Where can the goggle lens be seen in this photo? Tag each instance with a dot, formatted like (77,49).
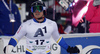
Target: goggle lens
(39,8)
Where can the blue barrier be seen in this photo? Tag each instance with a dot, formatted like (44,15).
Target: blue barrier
(85,42)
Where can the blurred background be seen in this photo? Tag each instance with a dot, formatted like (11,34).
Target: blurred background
(72,20)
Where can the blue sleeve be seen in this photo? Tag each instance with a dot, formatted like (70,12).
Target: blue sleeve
(13,42)
(63,44)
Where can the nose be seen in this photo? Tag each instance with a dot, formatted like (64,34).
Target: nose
(37,11)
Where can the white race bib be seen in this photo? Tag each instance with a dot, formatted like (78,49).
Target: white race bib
(38,44)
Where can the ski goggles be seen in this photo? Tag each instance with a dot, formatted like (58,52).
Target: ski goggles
(39,8)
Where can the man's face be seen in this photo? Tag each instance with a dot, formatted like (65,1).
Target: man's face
(38,14)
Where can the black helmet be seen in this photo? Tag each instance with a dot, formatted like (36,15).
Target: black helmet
(38,5)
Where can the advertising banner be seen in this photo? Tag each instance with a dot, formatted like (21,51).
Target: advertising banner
(19,49)
(90,44)
(21,46)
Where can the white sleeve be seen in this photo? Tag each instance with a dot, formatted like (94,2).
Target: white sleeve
(59,39)
(68,29)
(20,32)
(55,33)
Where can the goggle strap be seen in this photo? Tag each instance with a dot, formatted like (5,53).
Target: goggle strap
(31,9)
(44,8)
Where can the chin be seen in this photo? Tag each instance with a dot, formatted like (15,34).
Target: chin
(37,16)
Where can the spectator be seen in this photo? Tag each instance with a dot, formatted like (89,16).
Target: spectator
(79,10)
(68,27)
(81,26)
(93,16)
(9,11)
(61,29)
(57,17)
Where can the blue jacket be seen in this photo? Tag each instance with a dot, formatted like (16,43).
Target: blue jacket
(7,27)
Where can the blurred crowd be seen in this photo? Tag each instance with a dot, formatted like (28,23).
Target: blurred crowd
(83,17)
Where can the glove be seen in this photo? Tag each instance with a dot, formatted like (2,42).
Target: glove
(8,49)
(73,49)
